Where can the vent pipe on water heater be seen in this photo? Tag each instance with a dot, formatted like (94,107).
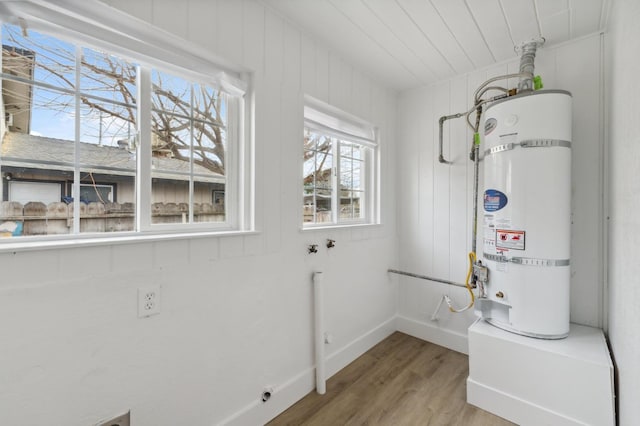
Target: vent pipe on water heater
(527,58)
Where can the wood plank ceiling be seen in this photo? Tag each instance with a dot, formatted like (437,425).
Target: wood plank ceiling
(412,43)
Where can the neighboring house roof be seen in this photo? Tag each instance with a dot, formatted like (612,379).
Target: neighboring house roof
(37,152)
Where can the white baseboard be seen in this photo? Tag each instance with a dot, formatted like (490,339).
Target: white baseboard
(513,408)
(284,396)
(430,333)
(288,393)
(343,357)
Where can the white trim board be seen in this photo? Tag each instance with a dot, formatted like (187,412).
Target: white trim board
(430,333)
(288,393)
(514,408)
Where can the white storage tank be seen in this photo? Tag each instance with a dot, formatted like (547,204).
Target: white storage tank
(527,214)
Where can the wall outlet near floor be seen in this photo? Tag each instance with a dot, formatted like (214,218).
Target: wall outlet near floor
(121,420)
(148,301)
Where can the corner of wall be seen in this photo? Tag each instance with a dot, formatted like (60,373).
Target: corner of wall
(294,389)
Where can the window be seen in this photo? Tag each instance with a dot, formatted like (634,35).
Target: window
(96,193)
(339,168)
(101,111)
(188,142)
(25,191)
(218,198)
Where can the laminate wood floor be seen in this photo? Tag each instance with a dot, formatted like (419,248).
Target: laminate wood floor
(400,381)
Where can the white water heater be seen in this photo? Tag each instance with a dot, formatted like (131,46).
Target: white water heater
(526,217)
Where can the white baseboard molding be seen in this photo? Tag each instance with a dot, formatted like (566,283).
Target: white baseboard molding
(339,359)
(440,336)
(284,396)
(513,408)
(288,393)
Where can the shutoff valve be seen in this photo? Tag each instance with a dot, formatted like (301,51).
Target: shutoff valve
(480,272)
(480,277)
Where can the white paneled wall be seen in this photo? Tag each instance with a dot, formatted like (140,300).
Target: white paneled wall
(236,311)
(435,203)
(624,201)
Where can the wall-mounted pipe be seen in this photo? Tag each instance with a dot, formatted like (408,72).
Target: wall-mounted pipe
(424,277)
(475,156)
(318,308)
(441,158)
(442,120)
(481,90)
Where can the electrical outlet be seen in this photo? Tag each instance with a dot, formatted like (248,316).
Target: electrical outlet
(148,301)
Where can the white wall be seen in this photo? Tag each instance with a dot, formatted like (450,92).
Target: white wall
(435,203)
(623,43)
(237,310)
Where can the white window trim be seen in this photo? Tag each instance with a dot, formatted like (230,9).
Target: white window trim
(97,24)
(331,121)
(92,23)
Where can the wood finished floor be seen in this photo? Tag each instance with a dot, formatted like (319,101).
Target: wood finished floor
(400,381)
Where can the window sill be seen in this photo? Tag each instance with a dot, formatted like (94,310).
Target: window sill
(340,226)
(10,245)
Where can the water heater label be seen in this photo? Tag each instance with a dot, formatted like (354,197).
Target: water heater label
(494,200)
(509,239)
(490,125)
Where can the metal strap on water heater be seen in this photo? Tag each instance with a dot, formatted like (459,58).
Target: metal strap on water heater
(529,143)
(527,261)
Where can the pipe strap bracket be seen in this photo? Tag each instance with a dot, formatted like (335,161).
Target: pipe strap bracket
(527,261)
(529,143)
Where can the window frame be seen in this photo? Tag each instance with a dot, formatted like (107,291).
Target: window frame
(93,24)
(343,127)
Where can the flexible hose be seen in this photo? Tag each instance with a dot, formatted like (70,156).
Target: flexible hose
(472,259)
(500,77)
(486,89)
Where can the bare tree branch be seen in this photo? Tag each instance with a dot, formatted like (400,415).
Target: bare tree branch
(177,112)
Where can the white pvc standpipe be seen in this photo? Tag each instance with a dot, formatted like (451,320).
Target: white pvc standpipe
(318,305)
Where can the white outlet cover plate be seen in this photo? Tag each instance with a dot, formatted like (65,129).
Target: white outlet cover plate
(148,301)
